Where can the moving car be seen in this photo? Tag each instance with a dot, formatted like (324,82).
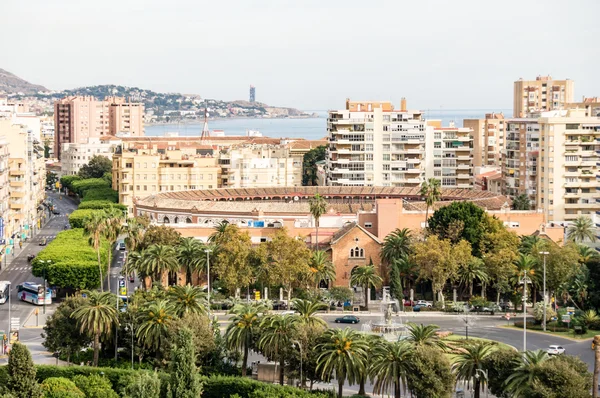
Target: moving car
(43,242)
(122,246)
(56,212)
(30,257)
(424,303)
(555,350)
(347,319)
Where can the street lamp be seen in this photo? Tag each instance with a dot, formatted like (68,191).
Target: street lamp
(525,311)
(45,263)
(127,327)
(545,302)
(296,342)
(208,251)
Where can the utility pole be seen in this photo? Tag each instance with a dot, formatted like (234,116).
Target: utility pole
(524,311)
(545,300)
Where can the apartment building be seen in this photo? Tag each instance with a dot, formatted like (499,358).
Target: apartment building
(452,156)
(488,139)
(371,144)
(77,119)
(590,104)
(540,95)
(75,155)
(520,163)
(144,167)
(568,164)
(259,166)
(5,224)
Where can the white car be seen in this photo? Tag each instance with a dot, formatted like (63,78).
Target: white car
(555,350)
(424,303)
(288,313)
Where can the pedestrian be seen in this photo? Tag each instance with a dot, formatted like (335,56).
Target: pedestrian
(20,244)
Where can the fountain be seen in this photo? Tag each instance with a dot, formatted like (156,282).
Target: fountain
(388,328)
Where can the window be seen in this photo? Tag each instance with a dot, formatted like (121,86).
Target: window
(368,225)
(357,252)
(386,156)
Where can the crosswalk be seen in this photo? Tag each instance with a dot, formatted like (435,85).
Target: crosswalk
(47,237)
(22,269)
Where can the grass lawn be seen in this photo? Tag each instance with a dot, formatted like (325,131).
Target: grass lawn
(567,335)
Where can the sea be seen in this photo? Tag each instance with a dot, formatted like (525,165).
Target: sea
(308,128)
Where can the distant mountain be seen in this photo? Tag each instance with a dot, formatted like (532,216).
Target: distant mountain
(12,84)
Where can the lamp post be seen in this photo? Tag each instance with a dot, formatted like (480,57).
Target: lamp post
(296,342)
(130,325)
(524,311)
(45,264)
(545,299)
(208,251)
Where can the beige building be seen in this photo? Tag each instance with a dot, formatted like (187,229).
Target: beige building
(77,119)
(567,164)
(74,155)
(541,94)
(254,165)
(452,156)
(590,104)
(488,139)
(5,222)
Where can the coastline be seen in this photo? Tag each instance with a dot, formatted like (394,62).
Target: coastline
(213,119)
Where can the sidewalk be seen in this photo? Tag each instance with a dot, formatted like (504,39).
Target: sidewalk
(16,252)
(37,321)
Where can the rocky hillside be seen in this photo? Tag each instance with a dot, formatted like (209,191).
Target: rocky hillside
(11,84)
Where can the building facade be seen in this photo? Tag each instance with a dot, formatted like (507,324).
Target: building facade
(541,94)
(488,140)
(78,119)
(567,165)
(452,156)
(75,155)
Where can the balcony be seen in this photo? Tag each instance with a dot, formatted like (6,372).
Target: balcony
(463,166)
(586,206)
(17,183)
(465,186)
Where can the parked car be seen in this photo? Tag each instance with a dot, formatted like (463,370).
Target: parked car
(424,303)
(122,246)
(279,305)
(56,212)
(347,319)
(555,350)
(30,257)
(409,303)
(292,312)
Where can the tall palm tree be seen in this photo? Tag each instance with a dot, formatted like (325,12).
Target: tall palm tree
(134,263)
(190,254)
(307,310)
(154,319)
(219,231)
(365,276)
(321,268)
(421,335)
(113,225)
(521,202)
(344,352)
(525,374)
(472,271)
(158,260)
(396,245)
(528,243)
(431,191)
(97,316)
(275,337)
(187,299)
(390,365)
(586,253)
(468,364)
(243,329)
(581,230)
(135,233)
(406,269)
(94,228)
(318,207)
(525,269)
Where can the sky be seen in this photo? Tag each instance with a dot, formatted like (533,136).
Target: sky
(308,54)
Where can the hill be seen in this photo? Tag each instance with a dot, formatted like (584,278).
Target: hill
(12,84)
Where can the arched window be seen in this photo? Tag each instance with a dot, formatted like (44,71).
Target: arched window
(166,220)
(176,221)
(188,220)
(357,252)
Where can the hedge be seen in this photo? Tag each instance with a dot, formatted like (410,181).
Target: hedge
(550,326)
(74,263)
(82,186)
(106,193)
(67,181)
(77,218)
(101,205)
(225,386)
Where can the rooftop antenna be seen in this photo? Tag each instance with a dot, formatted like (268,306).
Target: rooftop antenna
(205,132)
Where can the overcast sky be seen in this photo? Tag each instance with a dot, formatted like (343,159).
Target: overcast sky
(310,54)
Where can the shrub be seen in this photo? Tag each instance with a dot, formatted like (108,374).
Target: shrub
(106,193)
(115,376)
(101,205)
(95,386)
(538,311)
(77,218)
(21,373)
(431,375)
(552,326)
(67,181)
(60,387)
(82,186)
(74,262)
(141,385)
(225,386)
(500,364)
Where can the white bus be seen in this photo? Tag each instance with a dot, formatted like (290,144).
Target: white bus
(4,291)
(34,293)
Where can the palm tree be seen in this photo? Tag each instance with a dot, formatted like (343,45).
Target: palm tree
(365,276)
(307,311)
(525,269)
(135,233)
(468,364)
(525,374)
(396,245)
(159,259)
(318,207)
(321,268)
(94,228)
(390,365)
(97,316)
(582,229)
(275,337)
(343,352)
(420,335)
(190,254)
(472,271)
(406,268)
(586,253)
(134,262)
(528,243)
(243,329)
(113,225)
(589,317)
(219,231)
(521,202)
(154,320)
(431,191)
(187,299)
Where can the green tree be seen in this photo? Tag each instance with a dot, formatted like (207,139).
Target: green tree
(469,364)
(344,352)
(309,167)
(307,312)
(474,270)
(321,268)
(113,225)
(94,229)
(341,293)
(141,385)
(499,252)
(521,202)
(187,299)
(425,335)
(60,387)
(318,207)
(243,329)
(219,234)
(230,260)
(21,380)
(470,215)
(203,335)
(51,179)
(158,261)
(275,338)
(562,377)
(96,167)
(97,317)
(499,366)
(160,235)
(191,256)
(581,230)
(365,276)
(396,245)
(430,190)
(155,318)
(61,332)
(390,366)
(135,233)
(184,382)
(94,386)
(523,376)
(525,265)
(431,375)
